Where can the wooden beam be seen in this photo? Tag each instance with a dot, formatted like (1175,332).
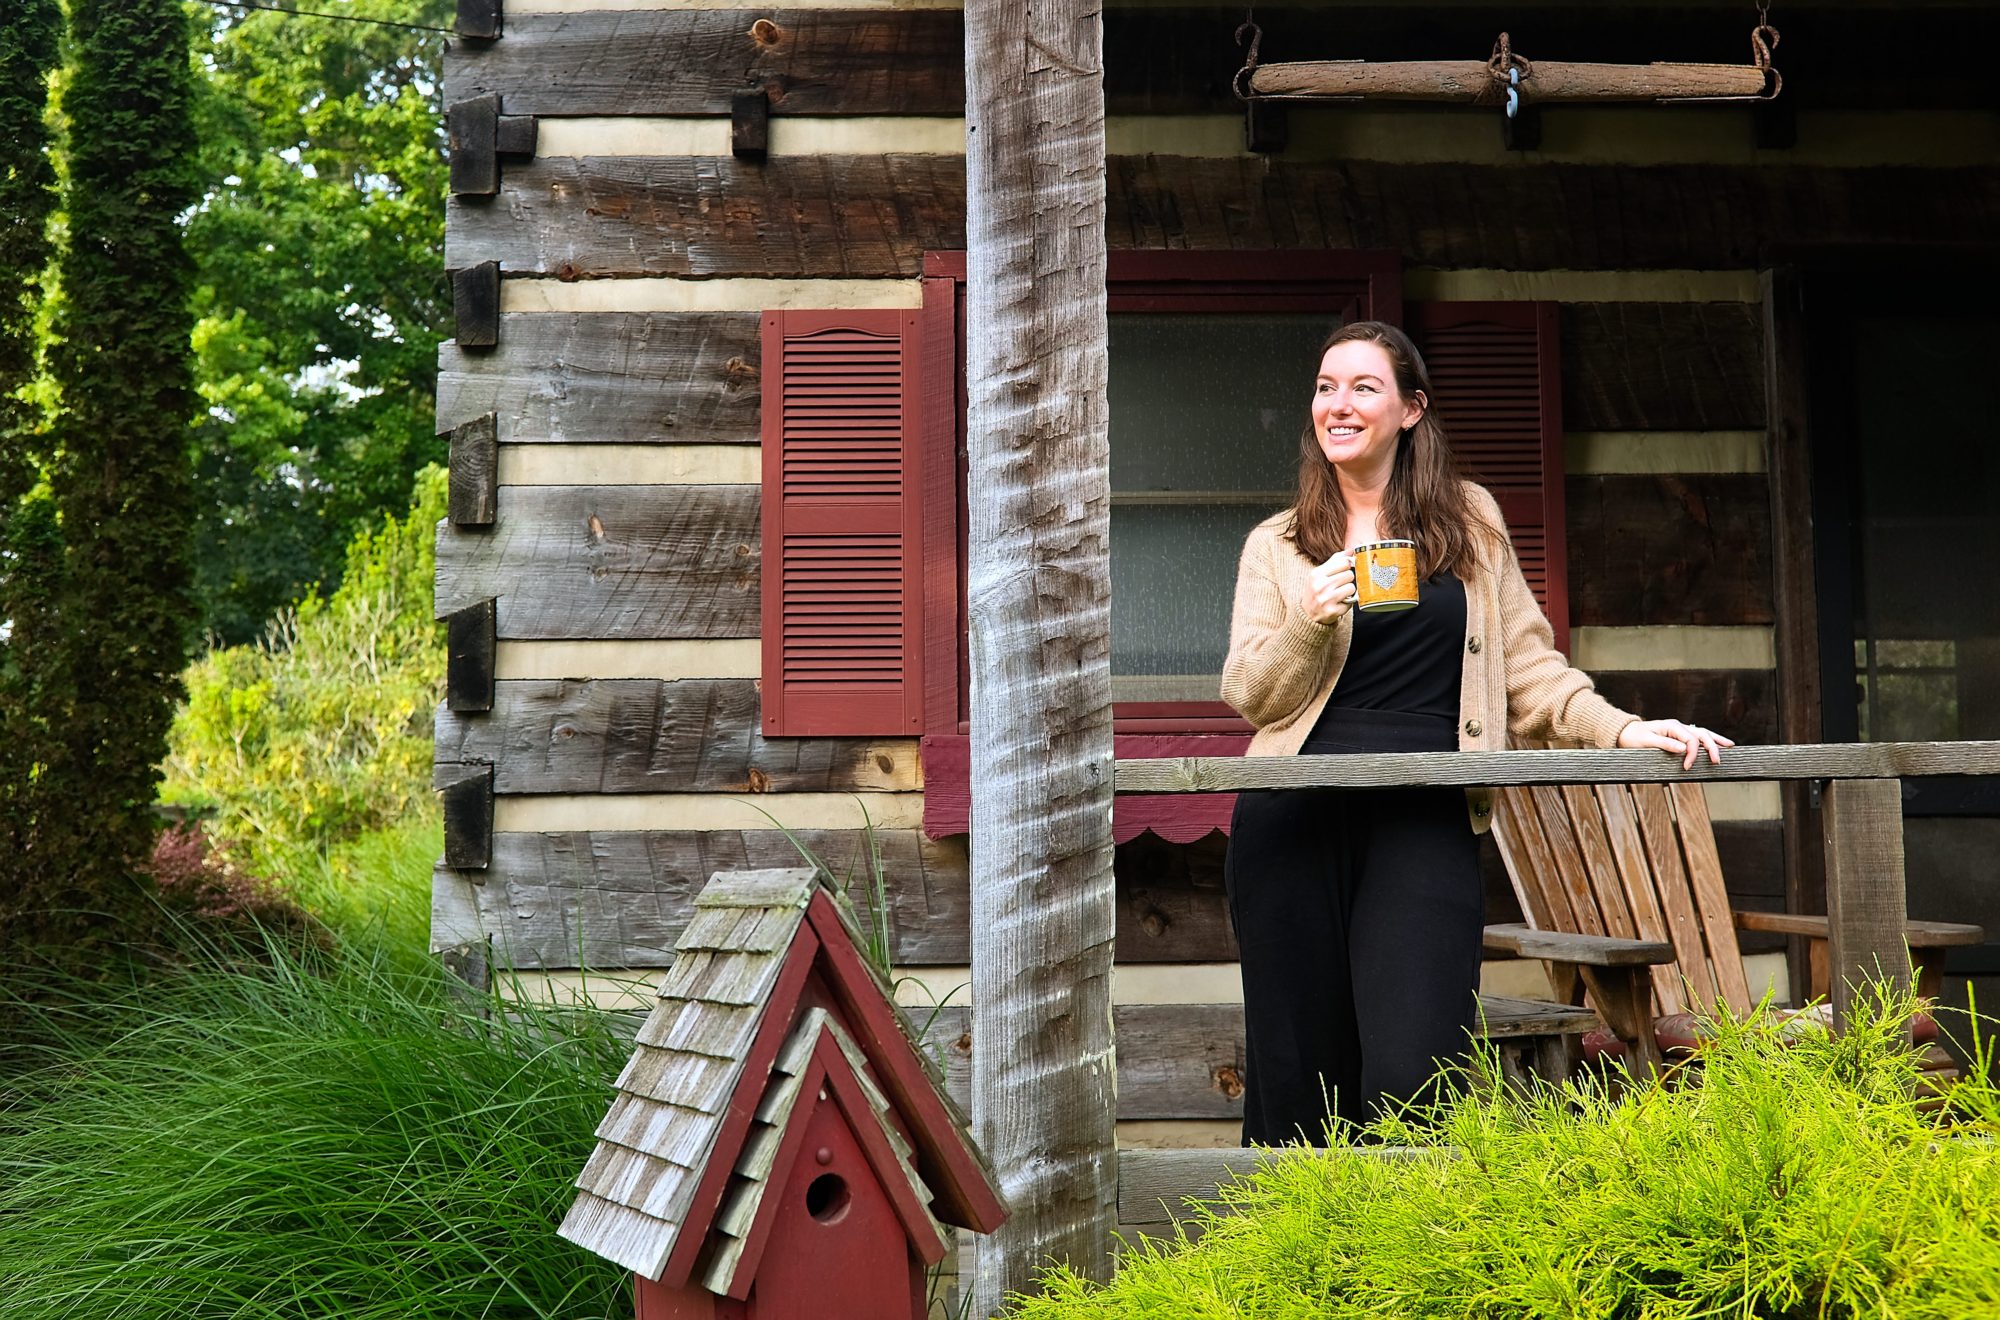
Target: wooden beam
(1795,589)
(479,19)
(1866,900)
(1741,703)
(1039,607)
(474,479)
(1686,548)
(594,217)
(1476,769)
(469,646)
(1662,366)
(625,377)
(467,791)
(1468,82)
(475,304)
(611,562)
(635,735)
(750,125)
(692,61)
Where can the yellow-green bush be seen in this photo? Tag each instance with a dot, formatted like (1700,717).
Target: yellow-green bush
(322,733)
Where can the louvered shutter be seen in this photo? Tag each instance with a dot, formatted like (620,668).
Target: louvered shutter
(842,526)
(1495,372)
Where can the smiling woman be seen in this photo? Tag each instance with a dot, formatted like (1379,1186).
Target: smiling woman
(1359,916)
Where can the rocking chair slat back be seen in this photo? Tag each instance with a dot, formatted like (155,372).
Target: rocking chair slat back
(1635,878)
(1636,861)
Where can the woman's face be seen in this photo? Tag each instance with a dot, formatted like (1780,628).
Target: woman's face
(1357,412)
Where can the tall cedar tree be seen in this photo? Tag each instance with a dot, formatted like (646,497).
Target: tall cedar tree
(30,553)
(122,492)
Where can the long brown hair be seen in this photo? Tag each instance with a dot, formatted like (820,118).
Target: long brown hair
(1426,501)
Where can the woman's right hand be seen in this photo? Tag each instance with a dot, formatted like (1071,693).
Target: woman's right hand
(1330,590)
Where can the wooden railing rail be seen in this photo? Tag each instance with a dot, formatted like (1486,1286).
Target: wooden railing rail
(1866,895)
(1830,761)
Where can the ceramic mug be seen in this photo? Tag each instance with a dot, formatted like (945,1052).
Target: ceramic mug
(1385,576)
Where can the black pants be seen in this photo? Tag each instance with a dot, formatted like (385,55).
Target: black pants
(1359,914)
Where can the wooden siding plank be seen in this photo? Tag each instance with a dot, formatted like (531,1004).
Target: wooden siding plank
(1662,366)
(1692,549)
(669,62)
(1742,703)
(611,562)
(623,377)
(636,60)
(620,899)
(599,216)
(638,735)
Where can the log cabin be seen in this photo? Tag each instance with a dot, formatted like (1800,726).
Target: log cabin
(1725,363)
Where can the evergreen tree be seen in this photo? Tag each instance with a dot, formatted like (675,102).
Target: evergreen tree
(119,481)
(30,549)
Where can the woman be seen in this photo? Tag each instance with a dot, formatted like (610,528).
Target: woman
(1359,912)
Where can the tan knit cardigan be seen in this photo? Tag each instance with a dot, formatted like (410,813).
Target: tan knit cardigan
(1283,665)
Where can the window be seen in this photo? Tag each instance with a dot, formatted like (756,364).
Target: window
(1211,358)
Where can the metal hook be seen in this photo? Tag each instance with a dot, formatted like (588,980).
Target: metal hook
(1513,92)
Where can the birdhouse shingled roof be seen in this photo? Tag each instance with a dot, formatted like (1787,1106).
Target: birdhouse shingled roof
(710,1057)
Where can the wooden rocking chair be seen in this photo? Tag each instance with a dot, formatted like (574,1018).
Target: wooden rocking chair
(1622,888)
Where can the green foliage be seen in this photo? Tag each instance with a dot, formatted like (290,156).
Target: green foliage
(351,1135)
(321,293)
(28,38)
(322,733)
(1794,1180)
(99,613)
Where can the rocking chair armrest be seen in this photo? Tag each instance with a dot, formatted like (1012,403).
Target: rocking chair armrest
(1920,934)
(1585,950)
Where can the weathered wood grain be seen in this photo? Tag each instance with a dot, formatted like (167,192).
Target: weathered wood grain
(467,792)
(1541,217)
(1159,60)
(475,459)
(593,216)
(468,668)
(692,61)
(1669,549)
(639,735)
(875,216)
(1662,366)
(610,562)
(1741,703)
(620,899)
(1390,769)
(610,377)
(1866,896)
(475,303)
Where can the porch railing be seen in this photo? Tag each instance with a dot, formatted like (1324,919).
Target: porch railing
(1866,893)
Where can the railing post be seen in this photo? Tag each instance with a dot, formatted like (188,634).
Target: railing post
(1865,900)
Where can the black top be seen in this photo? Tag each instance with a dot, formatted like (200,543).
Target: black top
(1408,661)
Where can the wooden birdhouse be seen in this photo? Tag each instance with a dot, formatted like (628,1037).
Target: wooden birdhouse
(779,1145)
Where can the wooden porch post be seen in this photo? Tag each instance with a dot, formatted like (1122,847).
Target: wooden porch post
(1039,613)
(1865,900)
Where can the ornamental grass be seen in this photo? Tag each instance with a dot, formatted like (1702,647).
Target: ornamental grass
(1796,1177)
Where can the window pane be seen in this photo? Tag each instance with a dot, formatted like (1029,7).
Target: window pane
(1173,580)
(1206,411)
(1210,402)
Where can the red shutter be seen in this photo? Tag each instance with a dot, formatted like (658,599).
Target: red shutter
(1495,372)
(843,527)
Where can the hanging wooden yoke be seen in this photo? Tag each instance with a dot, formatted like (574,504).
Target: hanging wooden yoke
(1507,79)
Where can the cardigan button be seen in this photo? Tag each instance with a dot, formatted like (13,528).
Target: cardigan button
(1473,728)
(1472,645)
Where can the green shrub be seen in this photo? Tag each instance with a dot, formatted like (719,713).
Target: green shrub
(323,733)
(1793,1181)
(348,1134)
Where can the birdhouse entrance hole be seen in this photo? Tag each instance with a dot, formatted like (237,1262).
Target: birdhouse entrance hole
(827,1198)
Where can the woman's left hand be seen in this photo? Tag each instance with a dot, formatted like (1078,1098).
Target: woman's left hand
(1682,739)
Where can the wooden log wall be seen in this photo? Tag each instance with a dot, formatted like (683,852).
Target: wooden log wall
(634,254)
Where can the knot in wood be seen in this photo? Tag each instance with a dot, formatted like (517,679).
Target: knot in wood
(766,33)
(1229,1081)
(569,272)
(1154,922)
(760,781)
